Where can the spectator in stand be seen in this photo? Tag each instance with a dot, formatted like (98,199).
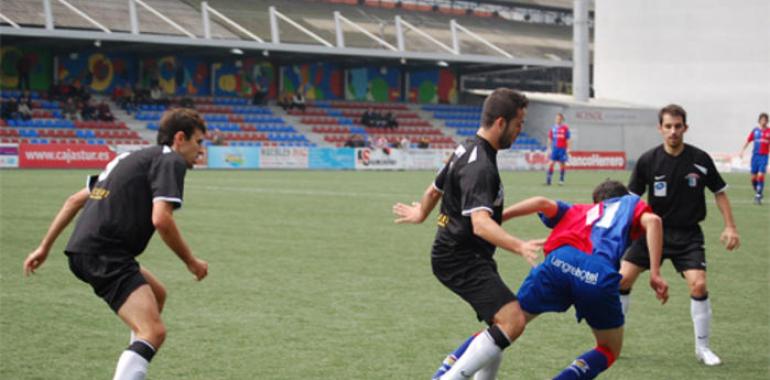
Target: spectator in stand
(187,102)
(366,118)
(156,95)
(405,143)
(80,91)
(24,109)
(70,109)
(10,109)
(284,101)
(298,101)
(423,143)
(390,121)
(87,110)
(259,96)
(104,113)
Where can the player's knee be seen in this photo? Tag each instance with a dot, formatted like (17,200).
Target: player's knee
(626,282)
(512,324)
(698,288)
(154,332)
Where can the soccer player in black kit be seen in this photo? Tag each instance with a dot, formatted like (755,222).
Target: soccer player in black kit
(676,175)
(135,195)
(469,229)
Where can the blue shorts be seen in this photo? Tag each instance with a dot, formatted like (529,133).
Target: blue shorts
(569,277)
(758,163)
(559,154)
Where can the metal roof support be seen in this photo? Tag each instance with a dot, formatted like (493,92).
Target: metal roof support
(207,9)
(338,30)
(275,13)
(580,55)
(48,14)
(6,19)
(133,16)
(206,20)
(399,34)
(164,18)
(480,39)
(84,15)
(367,33)
(275,32)
(455,37)
(426,35)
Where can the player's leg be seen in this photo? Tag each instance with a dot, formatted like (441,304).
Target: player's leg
(760,186)
(549,173)
(635,261)
(140,312)
(158,289)
(593,362)
(700,311)
(562,170)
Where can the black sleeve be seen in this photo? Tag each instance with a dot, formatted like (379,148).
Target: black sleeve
(478,189)
(638,182)
(167,179)
(440,180)
(91,182)
(714,180)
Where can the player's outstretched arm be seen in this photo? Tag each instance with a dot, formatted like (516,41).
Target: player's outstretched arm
(163,220)
(729,236)
(740,154)
(487,229)
(530,206)
(71,206)
(416,213)
(653,226)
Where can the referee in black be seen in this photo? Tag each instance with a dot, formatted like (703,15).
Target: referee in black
(469,229)
(122,207)
(676,175)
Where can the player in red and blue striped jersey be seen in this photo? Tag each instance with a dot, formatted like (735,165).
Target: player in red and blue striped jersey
(583,254)
(558,142)
(761,138)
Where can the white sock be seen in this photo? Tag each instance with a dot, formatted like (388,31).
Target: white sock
(132,338)
(489,372)
(625,302)
(480,352)
(701,320)
(131,366)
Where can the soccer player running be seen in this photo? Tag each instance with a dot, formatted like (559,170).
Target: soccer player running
(122,207)
(558,142)
(469,229)
(676,175)
(583,255)
(761,138)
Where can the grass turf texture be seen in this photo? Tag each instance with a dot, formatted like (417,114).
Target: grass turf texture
(310,279)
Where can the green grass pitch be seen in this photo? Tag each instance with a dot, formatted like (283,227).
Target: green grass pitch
(310,279)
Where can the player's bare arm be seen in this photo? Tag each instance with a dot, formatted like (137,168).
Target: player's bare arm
(548,207)
(71,206)
(729,238)
(486,228)
(163,220)
(416,213)
(653,226)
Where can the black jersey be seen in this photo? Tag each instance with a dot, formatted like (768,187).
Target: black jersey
(117,218)
(470,182)
(676,184)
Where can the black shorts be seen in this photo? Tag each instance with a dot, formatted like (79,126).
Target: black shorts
(476,280)
(683,246)
(112,278)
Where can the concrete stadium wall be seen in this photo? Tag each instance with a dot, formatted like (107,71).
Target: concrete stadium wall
(710,56)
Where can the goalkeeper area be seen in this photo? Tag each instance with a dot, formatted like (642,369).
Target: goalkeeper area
(309,278)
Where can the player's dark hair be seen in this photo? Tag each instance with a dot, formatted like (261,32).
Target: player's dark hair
(180,119)
(763,114)
(673,110)
(502,102)
(609,189)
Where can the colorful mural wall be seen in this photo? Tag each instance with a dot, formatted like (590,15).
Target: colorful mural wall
(317,81)
(433,86)
(26,67)
(374,83)
(243,77)
(176,75)
(98,72)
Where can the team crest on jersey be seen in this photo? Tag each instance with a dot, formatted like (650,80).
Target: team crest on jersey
(692,179)
(659,188)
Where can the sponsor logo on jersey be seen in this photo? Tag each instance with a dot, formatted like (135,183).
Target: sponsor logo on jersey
(659,189)
(443,220)
(692,179)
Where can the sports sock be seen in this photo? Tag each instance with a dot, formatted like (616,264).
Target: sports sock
(450,360)
(754,183)
(489,371)
(133,362)
(549,174)
(589,365)
(700,310)
(625,300)
(561,174)
(132,338)
(485,348)
(760,185)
